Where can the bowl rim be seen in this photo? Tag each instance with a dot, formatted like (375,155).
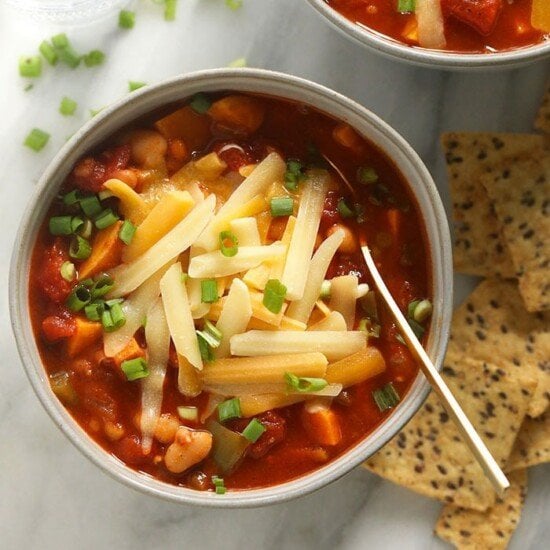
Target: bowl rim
(424,56)
(143,101)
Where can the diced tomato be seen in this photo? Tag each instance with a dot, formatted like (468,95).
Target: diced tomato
(482,15)
(49,276)
(88,175)
(116,158)
(56,327)
(129,450)
(234,155)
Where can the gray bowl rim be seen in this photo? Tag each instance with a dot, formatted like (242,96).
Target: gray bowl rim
(145,100)
(435,59)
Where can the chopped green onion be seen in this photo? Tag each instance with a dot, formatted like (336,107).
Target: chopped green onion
(86,229)
(234,4)
(117,316)
(126,19)
(30,66)
(209,291)
(229,409)
(184,277)
(417,328)
(210,339)
(94,311)
(61,225)
(105,194)
(386,397)
(293,175)
(37,139)
(78,298)
(68,271)
(170,8)
(79,248)
(254,430)
(204,348)
(71,198)
(366,325)
(102,286)
(229,244)
(344,210)
(212,329)
(406,6)
(411,307)
(69,56)
(188,413)
(325,289)
(218,481)
(134,369)
(60,41)
(91,206)
(28,87)
(221,490)
(49,53)
(422,310)
(113,301)
(68,106)
(281,206)
(274,295)
(106,219)
(133,85)
(126,233)
(200,103)
(77,224)
(94,58)
(238,63)
(304,384)
(107,321)
(367,175)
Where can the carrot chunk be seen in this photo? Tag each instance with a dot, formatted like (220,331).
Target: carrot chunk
(85,334)
(106,252)
(187,125)
(347,137)
(394,221)
(238,112)
(322,426)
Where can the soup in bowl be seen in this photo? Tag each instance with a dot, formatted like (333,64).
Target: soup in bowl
(189,295)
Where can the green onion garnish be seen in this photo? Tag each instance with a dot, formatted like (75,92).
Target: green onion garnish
(102,286)
(219,485)
(254,430)
(188,413)
(94,58)
(117,316)
(209,338)
(126,19)
(281,206)
(68,271)
(126,233)
(417,328)
(406,6)
(134,85)
(274,295)
(200,103)
(344,210)
(91,206)
(68,106)
(60,41)
(61,225)
(209,291)
(78,298)
(37,139)
(304,384)
(105,219)
(30,66)
(69,56)
(85,230)
(72,197)
(184,277)
(234,4)
(28,87)
(104,194)
(134,369)
(49,53)
(420,310)
(79,248)
(366,325)
(170,7)
(77,224)
(238,63)
(367,175)
(213,330)
(229,244)
(204,348)
(94,311)
(386,397)
(229,409)
(324,293)
(293,174)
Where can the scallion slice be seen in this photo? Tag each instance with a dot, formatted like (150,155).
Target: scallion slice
(204,348)
(94,311)
(229,409)
(274,295)
(200,103)
(30,66)
(36,139)
(107,321)
(211,340)
(126,233)
(325,290)
(406,6)
(91,206)
(281,206)
(134,369)
(79,297)
(48,52)
(188,413)
(60,225)
(219,485)
(79,248)
(117,316)
(344,210)
(103,284)
(69,56)
(254,430)
(86,229)
(105,219)
(234,4)
(304,384)
(170,8)
(417,328)
(68,271)
(68,106)
(134,85)
(238,63)
(229,244)
(386,397)
(126,19)
(94,58)
(209,291)
(367,175)
(422,311)
(60,41)
(293,174)
(72,197)
(77,224)
(213,330)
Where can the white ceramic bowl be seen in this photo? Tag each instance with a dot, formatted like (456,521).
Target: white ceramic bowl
(247,80)
(430,58)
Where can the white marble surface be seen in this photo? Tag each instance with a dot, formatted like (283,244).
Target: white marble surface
(52,497)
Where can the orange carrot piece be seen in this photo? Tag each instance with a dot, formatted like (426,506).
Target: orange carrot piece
(347,137)
(394,221)
(322,426)
(238,112)
(106,252)
(87,332)
(186,124)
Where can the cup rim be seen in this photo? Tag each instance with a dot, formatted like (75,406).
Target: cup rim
(143,101)
(426,57)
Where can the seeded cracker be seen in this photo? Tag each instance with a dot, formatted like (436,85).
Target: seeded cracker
(492,325)
(520,194)
(429,456)
(490,530)
(542,121)
(479,248)
(532,446)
